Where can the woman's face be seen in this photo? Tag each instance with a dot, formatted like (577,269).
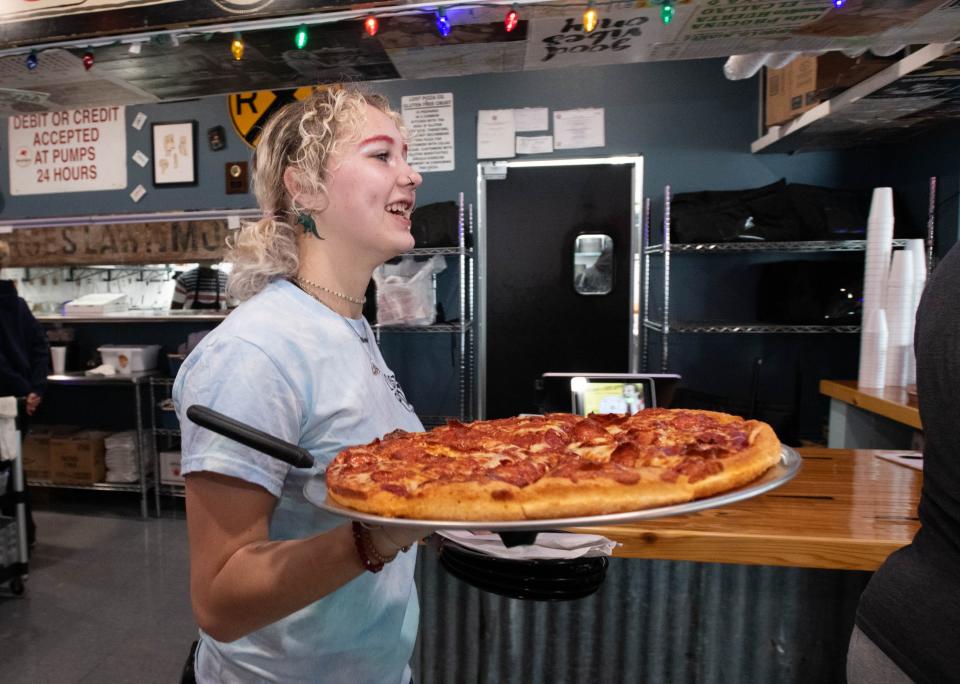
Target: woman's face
(372,191)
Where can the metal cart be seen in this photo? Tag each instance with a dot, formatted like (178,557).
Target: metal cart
(13,531)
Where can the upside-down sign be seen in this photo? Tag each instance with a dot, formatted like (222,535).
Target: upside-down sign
(75,150)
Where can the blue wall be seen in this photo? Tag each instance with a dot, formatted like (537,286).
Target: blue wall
(692,125)
(907,167)
(209,193)
(693,128)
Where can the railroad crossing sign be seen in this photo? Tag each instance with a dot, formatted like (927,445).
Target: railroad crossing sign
(250,111)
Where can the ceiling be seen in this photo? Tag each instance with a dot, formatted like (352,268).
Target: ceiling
(185,44)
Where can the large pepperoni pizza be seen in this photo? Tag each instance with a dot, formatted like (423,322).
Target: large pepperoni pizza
(552,466)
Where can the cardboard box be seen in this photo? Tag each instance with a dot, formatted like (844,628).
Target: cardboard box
(36,449)
(807,81)
(170,468)
(836,72)
(791,91)
(78,458)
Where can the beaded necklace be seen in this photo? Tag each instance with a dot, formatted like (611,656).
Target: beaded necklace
(303,281)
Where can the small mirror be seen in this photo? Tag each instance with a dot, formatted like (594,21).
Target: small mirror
(593,264)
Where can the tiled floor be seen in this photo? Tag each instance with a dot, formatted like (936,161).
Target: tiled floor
(107,600)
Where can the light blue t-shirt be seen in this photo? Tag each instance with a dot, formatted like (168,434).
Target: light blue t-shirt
(286,364)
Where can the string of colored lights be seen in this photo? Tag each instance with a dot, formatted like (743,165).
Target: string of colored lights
(371,25)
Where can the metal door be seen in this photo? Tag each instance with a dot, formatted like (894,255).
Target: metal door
(531,318)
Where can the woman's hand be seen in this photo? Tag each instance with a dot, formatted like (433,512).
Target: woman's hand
(389,541)
(33,402)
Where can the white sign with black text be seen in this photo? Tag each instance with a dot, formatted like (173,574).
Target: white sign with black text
(495,134)
(534,144)
(429,119)
(575,129)
(622,35)
(76,150)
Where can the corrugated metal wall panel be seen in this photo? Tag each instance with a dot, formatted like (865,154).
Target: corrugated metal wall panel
(651,621)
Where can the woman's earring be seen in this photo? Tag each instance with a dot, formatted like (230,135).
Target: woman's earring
(309,225)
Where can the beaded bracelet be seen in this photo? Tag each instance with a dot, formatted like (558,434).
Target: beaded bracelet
(369,556)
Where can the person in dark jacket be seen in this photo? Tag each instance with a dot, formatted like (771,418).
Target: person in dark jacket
(908,620)
(24,361)
(24,352)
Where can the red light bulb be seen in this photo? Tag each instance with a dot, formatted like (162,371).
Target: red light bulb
(511,20)
(87,60)
(371,25)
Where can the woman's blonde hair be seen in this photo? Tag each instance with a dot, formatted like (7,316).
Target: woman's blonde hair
(305,135)
(4,253)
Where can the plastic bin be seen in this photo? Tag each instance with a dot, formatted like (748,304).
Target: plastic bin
(129,359)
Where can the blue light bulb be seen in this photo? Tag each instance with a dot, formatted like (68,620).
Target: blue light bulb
(443,23)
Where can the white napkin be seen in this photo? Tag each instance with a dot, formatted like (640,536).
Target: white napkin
(549,545)
(911,459)
(8,428)
(103,369)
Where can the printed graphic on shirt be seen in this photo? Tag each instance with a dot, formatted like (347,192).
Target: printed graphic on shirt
(394,386)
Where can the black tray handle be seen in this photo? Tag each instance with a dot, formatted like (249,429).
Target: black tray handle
(296,456)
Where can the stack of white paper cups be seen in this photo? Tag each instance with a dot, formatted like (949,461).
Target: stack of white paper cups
(873,350)
(899,308)
(916,249)
(879,239)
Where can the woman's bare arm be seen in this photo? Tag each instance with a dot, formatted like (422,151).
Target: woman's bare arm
(239,580)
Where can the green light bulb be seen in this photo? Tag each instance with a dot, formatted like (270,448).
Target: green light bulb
(667,11)
(301,39)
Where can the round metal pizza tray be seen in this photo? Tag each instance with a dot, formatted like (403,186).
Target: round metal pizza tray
(315,492)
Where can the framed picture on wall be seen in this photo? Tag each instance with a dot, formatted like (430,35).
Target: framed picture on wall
(174,153)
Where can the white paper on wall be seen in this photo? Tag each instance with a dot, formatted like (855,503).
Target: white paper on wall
(529,119)
(495,134)
(534,144)
(578,128)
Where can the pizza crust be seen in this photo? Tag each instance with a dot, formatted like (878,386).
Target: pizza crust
(745,466)
(562,498)
(444,501)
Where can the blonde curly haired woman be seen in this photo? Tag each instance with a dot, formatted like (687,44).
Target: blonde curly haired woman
(283,591)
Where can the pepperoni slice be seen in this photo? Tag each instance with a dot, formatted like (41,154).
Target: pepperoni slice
(587,430)
(520,474)
(626,454)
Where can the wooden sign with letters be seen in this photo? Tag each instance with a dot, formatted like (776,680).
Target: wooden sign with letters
(119,243)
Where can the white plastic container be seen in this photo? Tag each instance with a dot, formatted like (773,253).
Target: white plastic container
(170,467)
(129,359)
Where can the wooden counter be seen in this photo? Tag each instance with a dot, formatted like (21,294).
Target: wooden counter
(889,402)
(845,510)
